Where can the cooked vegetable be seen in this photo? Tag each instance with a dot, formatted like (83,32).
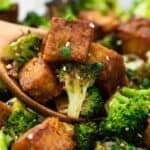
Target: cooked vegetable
(4,140)
(22,50)
(71,8)
(20,120)
(35,20)
(86,133)
(102,5)
(115,145)
(92,104)
(137,71)
(77,78)
(127,113)
(139,8)
(5,5)
(4,93)
(111,41)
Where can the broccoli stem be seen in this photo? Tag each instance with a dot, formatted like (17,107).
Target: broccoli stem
(3,141)
(133,92)
(76,100)
(121,98)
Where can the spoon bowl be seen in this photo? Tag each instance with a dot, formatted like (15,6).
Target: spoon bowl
(14,31)
(13,86)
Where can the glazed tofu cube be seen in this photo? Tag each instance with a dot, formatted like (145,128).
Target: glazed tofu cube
(103,24)
(113,74)
(67,40)
(4,113)
(49,135)
(38,79)
(135,36)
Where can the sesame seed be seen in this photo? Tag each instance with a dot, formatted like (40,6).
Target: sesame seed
(64,68)
(107,58)
(9,66)
(78,77)
(67,44)
(122,145)
(139,135)
(126,129)
(30,136)
(92,25)
(119,42)
(17,54)
(89,54)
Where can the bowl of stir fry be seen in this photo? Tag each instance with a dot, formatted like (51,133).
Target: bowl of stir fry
(77,79)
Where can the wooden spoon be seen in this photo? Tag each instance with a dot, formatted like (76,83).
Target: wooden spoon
(9,33)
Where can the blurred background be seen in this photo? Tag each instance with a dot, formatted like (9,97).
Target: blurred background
(39,6)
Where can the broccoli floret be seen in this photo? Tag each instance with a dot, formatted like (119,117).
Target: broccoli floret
(5,5)
(111,41)
(103,6)
(127,113)
(86,133)
(92,104)
(134,92)
(34,20)
(4,140)
(139,8)
(114,145)
(22,50)
(70,9)
(77,78)
(4,92)
(20,120)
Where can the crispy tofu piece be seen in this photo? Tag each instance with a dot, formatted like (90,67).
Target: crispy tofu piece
(135,36)
(49,135)
(75,35)
(38,79)
(113,74)
(105,24)
(4,113)
(147,134)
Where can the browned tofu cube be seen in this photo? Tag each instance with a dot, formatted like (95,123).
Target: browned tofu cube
(11,14)
(4,113)
(38,79)
(103,24)
(135,36)
(113,74)
(75,36)
(49,135)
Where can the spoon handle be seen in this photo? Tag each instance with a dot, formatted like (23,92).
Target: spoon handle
(15,89)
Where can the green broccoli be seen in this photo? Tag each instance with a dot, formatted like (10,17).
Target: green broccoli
(111,41)
(4,140)
(77,78)
(4,92)
(86,133)
(20,120)
(114,145)
(139,8)
(70,9)
(23,49)
(127,114)
(5,5)
(34,20)
(103,6)
(92,104)
(138,72)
